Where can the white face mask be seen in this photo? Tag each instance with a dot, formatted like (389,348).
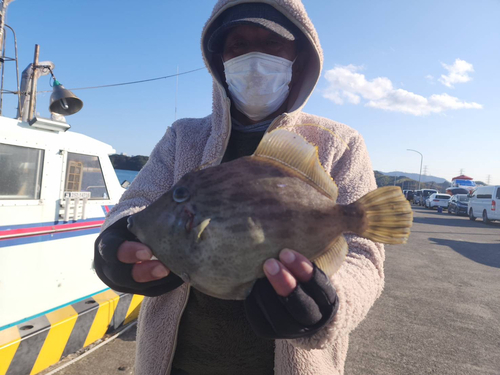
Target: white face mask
(258,83)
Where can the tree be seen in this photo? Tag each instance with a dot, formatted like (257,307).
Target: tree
(130,163)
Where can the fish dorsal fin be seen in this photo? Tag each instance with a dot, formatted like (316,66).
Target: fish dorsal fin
(295,152)
(333,258)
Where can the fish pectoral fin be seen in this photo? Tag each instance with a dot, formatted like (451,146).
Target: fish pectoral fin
(333,258)
(198,230)
(293,151)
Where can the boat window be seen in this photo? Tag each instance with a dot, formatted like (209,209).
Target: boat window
(20,172)
(84,174)
(465,183)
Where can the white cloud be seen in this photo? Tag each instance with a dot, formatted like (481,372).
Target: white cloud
(346,84)
(457,73)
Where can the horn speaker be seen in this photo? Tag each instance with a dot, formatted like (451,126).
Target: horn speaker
(63,101)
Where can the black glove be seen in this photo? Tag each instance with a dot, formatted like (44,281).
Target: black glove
(305,311)
(118,275)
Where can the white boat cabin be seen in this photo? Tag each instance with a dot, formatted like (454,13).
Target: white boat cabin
(56,187)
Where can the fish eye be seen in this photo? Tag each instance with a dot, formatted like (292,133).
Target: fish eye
(181,194)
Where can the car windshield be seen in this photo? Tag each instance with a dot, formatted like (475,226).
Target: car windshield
(463,198)
(426,193)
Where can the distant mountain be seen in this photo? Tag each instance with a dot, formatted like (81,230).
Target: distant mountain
(404,182)
(414,176)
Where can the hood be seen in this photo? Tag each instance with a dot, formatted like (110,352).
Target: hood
(299,94)
(312,53)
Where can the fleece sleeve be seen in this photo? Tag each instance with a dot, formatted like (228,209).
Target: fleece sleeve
(154,179)
(360,280)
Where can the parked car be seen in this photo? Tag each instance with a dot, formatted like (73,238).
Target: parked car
(409,195)
(426,193)
(437,200)
(417,196)
(458,204)
(485,203)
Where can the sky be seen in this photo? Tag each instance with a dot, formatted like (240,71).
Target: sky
(421,75)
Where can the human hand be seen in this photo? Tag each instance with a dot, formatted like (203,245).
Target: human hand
(295,299)
(284,275)
(143,268)
(125,266)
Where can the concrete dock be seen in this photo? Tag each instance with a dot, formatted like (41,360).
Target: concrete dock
(439,313)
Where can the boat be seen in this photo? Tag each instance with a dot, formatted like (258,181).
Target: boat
(461,183)
(56,187)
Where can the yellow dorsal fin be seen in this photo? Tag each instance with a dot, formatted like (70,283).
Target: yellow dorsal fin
(295,152)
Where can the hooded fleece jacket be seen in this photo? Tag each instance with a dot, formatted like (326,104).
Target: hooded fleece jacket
(191,143)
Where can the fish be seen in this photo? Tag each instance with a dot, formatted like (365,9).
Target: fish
(216,226)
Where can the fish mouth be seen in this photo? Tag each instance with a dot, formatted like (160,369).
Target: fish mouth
(185,277)
(130,223)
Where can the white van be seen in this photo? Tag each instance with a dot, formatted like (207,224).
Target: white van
(485,203)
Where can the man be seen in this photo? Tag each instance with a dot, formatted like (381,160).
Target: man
(265,60)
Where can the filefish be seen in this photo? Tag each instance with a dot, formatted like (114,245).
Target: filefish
(216,226)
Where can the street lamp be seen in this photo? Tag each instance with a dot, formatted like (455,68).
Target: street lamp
(421,160)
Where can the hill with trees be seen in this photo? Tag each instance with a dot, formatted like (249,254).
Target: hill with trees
(407,183)
(415,176)
(129,163)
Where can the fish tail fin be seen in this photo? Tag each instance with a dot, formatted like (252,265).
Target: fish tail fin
(387,215)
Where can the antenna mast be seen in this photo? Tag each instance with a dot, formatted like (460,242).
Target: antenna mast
(3,9)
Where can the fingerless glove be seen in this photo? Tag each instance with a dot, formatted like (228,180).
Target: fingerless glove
(118,275)
(309,307)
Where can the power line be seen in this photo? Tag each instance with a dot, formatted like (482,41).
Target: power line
(125,83)
(133,82)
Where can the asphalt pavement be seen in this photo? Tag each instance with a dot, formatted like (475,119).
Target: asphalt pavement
(439,312)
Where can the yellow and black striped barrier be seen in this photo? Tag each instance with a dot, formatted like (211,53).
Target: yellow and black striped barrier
(28,348)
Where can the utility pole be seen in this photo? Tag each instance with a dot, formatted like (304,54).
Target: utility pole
(421,160)
(488,179)
(461,171)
